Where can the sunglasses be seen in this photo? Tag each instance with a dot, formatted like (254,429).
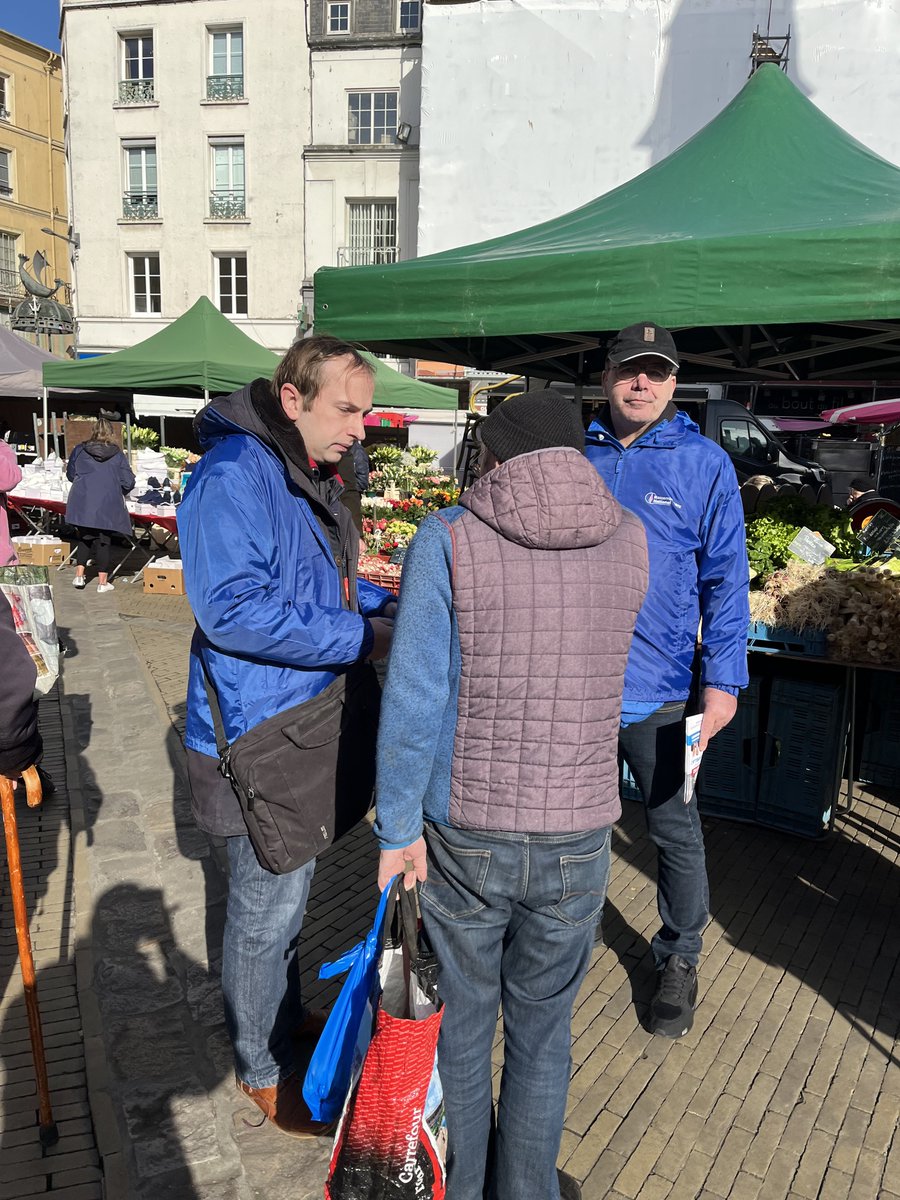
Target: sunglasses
(656,371)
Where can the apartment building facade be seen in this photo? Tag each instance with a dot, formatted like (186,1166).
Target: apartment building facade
(33,194)
(361,163)
(185,123)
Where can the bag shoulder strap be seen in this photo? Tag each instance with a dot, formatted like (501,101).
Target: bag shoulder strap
(215,711)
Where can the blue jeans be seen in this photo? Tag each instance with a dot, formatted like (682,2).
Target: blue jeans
(654,750)
(260,972)
(511,918)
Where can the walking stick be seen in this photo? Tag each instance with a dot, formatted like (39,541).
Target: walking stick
(48,1132)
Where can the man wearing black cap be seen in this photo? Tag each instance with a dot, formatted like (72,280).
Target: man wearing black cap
(498,776)
(862,487)
(684,489)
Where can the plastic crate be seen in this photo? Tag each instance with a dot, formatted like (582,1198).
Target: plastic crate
(728,782)
(775,637)
(628,788)
(802,756)
(880,760)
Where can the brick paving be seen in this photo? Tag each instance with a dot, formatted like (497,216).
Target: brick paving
(788,1085)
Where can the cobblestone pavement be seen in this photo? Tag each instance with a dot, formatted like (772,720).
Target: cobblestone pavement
(787,1087)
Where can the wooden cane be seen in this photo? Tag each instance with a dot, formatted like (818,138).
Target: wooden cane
(48,1132)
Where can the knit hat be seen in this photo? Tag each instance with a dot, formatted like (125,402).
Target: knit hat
(537,420)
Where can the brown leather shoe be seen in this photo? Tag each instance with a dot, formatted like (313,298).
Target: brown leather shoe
(312,1024)
(284,1106)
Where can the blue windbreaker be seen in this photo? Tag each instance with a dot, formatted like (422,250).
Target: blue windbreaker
(684,489)
(268,595)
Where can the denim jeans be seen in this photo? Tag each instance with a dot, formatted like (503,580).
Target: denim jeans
(511,918)
(654,750)
(260,972)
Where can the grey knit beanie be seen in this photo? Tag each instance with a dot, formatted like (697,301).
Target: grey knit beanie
(536,420)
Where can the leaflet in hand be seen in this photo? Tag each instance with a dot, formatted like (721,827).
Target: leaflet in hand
(692,754)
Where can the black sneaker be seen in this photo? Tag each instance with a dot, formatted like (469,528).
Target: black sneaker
(672,1007)
(568,1187)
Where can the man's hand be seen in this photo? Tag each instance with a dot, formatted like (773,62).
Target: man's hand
(384,631)
(409,862)
(717,708)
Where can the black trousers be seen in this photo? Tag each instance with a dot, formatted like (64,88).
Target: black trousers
(95,544)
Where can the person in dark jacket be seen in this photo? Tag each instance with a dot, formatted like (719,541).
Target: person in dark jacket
(20,742)
(498,774)
(270,557)
(683,487)
(100,477)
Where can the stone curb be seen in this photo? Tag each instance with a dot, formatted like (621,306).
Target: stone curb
(96,1065)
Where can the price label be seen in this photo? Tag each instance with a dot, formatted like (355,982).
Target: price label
(811,547)
(881,533)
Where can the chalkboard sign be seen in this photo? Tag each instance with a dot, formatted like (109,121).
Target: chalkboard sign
(811,547)
(398,556)
(881,534)
(889,476)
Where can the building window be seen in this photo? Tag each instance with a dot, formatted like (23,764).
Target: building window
(141,199)
(5,173)
(226,61)
(4,98)
(372,118)
(371,234)
(338,18)
(136,84)
(146,292)
(231,284)
(410,14)
(227,199)
(9,271)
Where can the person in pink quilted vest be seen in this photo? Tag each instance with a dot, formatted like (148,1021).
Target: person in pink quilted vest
(10,475)
(498,775)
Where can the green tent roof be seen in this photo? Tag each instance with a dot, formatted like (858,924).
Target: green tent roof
(204,350)
(770,216)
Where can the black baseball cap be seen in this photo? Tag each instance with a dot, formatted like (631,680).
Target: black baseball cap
(646,339)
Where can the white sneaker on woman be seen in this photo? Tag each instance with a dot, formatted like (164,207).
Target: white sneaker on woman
(79,581)
(105,587)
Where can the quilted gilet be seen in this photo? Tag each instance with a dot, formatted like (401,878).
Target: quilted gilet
(549,573)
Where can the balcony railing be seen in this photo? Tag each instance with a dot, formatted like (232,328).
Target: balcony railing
(10,284)
(227,205)
(140,206)
(5,189)
(224,87)
(136,91)
(4,113)
(367,256)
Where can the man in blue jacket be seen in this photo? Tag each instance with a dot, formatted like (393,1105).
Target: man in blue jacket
(270,559)
(683,487)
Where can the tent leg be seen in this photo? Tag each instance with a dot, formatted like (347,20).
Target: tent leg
(46,428)
(162,431)
(55,435)
(128,434)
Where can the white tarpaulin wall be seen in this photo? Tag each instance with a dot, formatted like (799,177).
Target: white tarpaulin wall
(564,100)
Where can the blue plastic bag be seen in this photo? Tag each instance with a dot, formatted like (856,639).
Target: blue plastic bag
(348,1029)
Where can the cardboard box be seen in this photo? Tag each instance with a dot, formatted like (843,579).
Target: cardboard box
(42,554)
(164,581)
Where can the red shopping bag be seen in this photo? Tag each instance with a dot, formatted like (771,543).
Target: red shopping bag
(392,1138)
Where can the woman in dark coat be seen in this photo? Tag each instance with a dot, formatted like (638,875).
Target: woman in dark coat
(100,477)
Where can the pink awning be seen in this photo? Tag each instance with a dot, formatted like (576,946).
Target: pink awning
(876,412)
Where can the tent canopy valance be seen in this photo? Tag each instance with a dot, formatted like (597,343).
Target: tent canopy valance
(203,351)
(769,241)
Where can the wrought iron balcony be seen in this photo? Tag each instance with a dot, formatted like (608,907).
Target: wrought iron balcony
(227,205)
(4,113)
(136,91)
(224,87)
(367,256)
(140,206)
(10,284)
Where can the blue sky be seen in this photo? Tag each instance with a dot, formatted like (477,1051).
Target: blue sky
(36,20)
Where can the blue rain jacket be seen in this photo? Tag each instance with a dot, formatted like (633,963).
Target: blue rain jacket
(276,608)
(684,489)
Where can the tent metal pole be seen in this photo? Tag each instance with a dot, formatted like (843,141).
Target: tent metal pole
(456,433)
(55,435)
(162,431)
(37,436)
(128,434)
(46,427)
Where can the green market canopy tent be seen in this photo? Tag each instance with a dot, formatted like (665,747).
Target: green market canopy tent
(770,241)
(204,352)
